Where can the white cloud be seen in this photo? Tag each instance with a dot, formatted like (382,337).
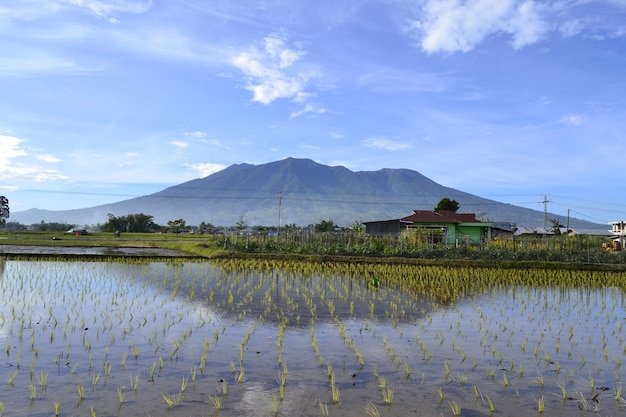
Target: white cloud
(106,8)
(336,135)
(179,143)
(48,158)
(11,169)
(49,176)
(196,134)
(309,147)
(205,168)
(9,149)
(460,25)
(572,120)
(386,144)
(308,108)
(570,28)
(265,71)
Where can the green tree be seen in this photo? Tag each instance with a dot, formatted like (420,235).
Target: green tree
(131,223)
(53,226)
(325,226)
(556,226)
(241,224)
(206,227)
(4,210)
(357,226)
(177,226)
(448,205)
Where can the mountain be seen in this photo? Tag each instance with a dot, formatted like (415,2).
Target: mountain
(305,191)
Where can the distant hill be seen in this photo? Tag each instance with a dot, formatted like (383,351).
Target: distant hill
(309,192)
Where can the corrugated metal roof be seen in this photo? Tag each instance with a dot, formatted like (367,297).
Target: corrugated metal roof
(443,216)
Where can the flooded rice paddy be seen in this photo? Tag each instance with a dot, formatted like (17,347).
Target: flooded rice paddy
(231,339)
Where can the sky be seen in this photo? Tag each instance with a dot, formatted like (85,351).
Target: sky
(513,100)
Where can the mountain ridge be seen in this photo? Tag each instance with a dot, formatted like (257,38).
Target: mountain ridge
(309,192)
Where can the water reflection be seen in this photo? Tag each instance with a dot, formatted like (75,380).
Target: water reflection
(262,338)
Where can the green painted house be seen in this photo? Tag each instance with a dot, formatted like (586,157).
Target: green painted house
(447,226)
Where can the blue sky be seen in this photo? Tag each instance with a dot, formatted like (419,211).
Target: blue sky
(104,100)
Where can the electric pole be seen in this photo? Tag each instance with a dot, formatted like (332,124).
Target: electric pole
(280,203)
(545,212)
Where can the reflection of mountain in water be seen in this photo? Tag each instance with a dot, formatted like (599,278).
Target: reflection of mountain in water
(291,296)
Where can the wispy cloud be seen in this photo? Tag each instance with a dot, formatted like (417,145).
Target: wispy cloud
(179,143)
(459,25)
(197,134)
(266,71)
(336,135)
(309,147)
(11,169)
(385,144)
(205,168)
(572,120)
(106,9)
(48,158)
(308,108)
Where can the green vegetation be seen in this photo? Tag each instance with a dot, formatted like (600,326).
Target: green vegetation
(555,252)
(4,210)
(447,204)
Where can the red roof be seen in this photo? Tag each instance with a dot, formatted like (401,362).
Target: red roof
(443,216)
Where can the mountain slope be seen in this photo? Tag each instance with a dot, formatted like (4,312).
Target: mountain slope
(310,192)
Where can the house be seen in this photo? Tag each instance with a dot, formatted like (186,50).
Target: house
(618,230)
(447,226)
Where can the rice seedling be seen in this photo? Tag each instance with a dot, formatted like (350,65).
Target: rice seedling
(540,404)
(173,400)
(120,395)
(618,393)
(456,408)
(183,384)
(563,388)
(95,377)
(56,408)
(216,401)
(583,404)
(387,395)
(151,372)
(492,408)
(275,404)
(334,390)
(11,377)
(33,391)
(371,410)
(42,379)
(81,391)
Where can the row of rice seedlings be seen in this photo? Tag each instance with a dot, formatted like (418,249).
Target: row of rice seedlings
(393,310)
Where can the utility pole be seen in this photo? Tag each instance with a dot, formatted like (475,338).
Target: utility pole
(545,212)
(280,203)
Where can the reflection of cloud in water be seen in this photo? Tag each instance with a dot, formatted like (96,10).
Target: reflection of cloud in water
(256,399)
